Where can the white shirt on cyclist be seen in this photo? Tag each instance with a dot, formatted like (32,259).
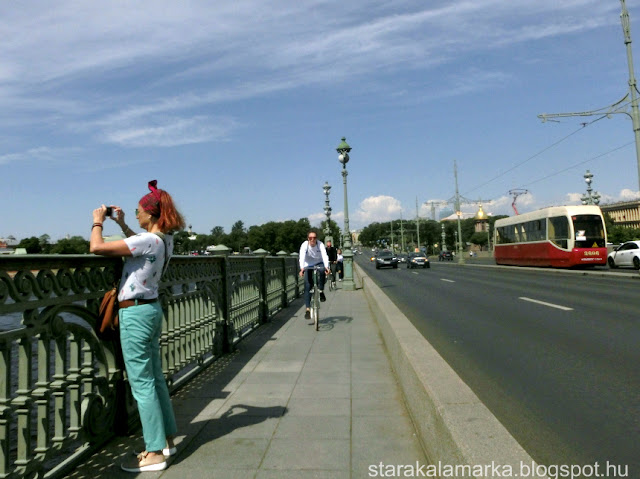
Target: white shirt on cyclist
(312,255)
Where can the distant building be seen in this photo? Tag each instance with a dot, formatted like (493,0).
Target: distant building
(8,245)
(355,237)
(482,221)
(454,217)
(624,213)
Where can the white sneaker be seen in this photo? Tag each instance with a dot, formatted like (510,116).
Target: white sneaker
(144,463)
(167,451)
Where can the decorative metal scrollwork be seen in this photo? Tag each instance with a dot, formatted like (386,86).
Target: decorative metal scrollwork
(60,383)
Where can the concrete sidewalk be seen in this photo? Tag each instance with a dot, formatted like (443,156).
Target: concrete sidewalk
(289,403)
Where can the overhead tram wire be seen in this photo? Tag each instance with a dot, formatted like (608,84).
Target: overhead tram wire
(578,164)
(582,127)
(525,161)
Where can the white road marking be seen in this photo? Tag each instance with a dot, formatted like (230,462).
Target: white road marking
(551,305)
(414,272)
(447,280)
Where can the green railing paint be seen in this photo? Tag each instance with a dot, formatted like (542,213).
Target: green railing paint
(63,391)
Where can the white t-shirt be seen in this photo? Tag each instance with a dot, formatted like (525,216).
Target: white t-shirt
(142,271)
(310,256)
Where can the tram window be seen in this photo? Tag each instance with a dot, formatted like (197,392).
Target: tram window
(503,235)
(538,230)
(559,231)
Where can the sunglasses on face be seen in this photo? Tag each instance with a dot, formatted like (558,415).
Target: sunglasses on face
(312,237)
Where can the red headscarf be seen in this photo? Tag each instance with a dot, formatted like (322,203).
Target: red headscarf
(151,201)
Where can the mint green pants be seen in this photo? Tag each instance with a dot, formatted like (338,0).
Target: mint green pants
(140,328)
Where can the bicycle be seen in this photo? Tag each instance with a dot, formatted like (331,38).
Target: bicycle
(315,298)
(332,277)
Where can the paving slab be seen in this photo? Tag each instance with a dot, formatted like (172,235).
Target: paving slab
(290,402)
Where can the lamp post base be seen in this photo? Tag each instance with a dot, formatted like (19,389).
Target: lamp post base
(348,284)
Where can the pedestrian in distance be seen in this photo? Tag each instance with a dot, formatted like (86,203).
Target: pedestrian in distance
(340,264)
(146,256)
(332,254)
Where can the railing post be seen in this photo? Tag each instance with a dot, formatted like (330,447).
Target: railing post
(283,276)
(296,275)
(264,303)
(223,328)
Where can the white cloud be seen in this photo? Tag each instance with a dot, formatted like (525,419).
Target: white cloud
(574,198)
(225,52)
(42,153)
(172,132)
(377,209)
(628,195)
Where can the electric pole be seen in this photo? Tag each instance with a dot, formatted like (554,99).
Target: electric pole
(620,106)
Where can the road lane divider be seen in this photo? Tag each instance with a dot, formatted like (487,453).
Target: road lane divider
(551,305)
(447,280)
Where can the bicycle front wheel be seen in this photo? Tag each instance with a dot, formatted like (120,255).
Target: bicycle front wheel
(316,318)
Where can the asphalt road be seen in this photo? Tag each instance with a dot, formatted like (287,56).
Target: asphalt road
(553,355)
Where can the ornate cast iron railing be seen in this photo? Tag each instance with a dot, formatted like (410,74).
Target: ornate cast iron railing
(63,391)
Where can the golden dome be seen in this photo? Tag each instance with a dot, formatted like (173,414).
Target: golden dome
(481,215)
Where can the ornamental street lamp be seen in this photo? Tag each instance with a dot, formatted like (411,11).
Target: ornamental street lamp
(327,211)
(348,284)
(591,198)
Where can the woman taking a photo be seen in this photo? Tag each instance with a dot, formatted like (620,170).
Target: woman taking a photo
(145,258)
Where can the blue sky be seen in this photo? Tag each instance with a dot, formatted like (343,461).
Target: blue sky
(236,108)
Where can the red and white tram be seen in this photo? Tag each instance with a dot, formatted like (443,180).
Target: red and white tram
(559,236)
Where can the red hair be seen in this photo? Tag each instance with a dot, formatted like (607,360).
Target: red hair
(170,218)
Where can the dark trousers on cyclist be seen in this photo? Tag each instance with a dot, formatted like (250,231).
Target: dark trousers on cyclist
(308,283)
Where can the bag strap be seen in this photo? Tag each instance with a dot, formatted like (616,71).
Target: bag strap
(166,252)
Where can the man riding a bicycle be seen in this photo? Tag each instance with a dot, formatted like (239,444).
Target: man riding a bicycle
(312,253)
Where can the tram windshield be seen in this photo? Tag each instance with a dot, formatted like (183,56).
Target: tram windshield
(589,231)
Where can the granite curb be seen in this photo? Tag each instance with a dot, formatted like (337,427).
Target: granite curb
(455,427)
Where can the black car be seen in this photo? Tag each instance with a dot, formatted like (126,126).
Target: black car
(445,256)
(386,258)
(418,260)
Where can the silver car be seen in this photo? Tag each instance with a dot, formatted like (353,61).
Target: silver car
(386,258)
(418,260)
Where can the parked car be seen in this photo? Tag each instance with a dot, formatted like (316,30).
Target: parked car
(418,260)
(402,259)
(445,256)
(627,254)
(386,258)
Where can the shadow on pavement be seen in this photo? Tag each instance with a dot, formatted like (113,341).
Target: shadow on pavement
(189,402)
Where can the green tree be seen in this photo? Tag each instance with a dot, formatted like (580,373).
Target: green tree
(45,243)
(201,242)
(238,237)
(480,238)
(32,245)
(182,243)
(73,245)
(334,231)
(218,236)
(620,234)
